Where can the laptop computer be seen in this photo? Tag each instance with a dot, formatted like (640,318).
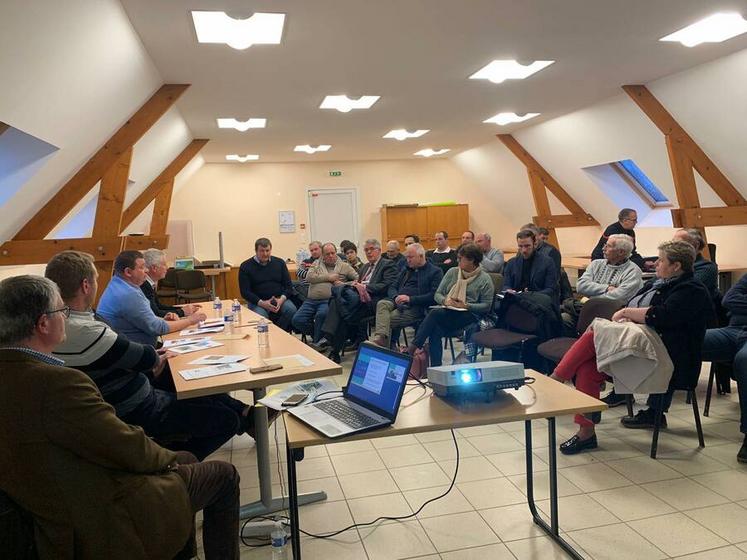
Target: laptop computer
(369,401)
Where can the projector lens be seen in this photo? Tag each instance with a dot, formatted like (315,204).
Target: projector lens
(466,377)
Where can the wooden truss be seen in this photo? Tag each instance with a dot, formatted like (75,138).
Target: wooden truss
(685,157)
(540,182)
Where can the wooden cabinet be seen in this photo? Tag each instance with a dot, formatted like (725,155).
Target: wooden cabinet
(424,221)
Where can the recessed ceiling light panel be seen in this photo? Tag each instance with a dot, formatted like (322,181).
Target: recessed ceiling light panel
(242,126)
(428,152)
(240,34)
(345,104)
(508,118)
(242,159)
(713,29)
(402,134)
(499,71)
(311,149)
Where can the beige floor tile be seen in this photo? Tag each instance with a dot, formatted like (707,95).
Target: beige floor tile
(495,443)
(595,477)
(345,447)
(393,541)
(743,546)
(351,463)
(315,452)
(539,548)
(514,462)
(731,484)
(346,546)
(473,431)
(419,476)
(367,484)
(492,551)
(371,507)
(611,448)
(394,441)
(324,517)
(491,493)
(394,457)
(727,454)
(458,531)
(615,542)
(683,493)
(444,450)
(632,502)
(471,468)
(724,553)
(453,502)
(728,521)
(565,460)
(542,485)
(312,468)
(512,427)
(430,437)
(330,485)
(511,523)
(727,430)
(677,534)
(579,512)
(643,469)
(690,462)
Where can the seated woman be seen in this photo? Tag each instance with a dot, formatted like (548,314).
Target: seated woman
(466,286)
(677,307)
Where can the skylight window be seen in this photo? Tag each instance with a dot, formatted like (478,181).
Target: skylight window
(641,184)
(499,71)
(403,134)
(240,34)
(345,104)
(429,152)
(311,149)
(242,159)
(242,126)
(508,118)
(713,29)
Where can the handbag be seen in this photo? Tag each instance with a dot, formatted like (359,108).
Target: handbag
(420,361)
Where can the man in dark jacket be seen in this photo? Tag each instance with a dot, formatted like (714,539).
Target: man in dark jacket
(627,218)
(529,271)
(155,262)
(544,248)
(704,270)
(409,296)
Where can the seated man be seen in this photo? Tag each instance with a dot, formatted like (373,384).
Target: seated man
(729,344)
(377,277)
(126,309)
(328,271)
(411,238)
(266,285)
(530,271)
(704,270)
(96,487)
(350,253)
(156,267)
(492,258)
(468,237)
(414,289)
(315,250)
(544,248)
(393,254)
(627,219)
(544,233)
(443,256)
(615,276)
(123,371)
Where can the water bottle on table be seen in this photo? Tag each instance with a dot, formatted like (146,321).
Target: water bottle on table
(263,333)
(236,308)
(218,308)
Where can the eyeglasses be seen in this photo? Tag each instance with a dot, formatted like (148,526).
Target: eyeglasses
(64,310)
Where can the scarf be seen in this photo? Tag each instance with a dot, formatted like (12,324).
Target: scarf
(459,290)
(644,299)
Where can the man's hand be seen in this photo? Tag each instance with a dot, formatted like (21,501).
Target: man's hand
(197,317)
(171,317)
(402,299)
(455,303)
(191,308)
(610,288)
(265,304)
(334,277)
(448,261)
(620,317)
(163,357)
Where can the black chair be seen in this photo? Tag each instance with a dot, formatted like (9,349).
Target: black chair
(190,286)
(520,328)
(696,413)
(167,284)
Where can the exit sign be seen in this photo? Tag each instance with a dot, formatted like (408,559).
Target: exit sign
(335,173)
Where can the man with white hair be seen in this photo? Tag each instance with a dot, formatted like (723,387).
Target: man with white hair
(492,258)
(393,254)
(615,276)
(156,267)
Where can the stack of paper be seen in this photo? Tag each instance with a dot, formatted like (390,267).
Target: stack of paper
(211,371)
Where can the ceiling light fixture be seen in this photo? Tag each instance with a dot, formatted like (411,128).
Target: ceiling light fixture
(500,70)
(242,126)
(403,134)
(508,118)
(311,149)
(242,159)
(713,29)
(240,34)
(428,152)
(345,104)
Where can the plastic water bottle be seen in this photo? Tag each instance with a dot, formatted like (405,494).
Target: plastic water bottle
(229,319)
(218,307)
(263,333)
(279,542)
(236,308)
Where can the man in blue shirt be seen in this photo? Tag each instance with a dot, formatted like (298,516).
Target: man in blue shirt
(126,309)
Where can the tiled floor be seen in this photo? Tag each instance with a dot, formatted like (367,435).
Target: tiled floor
(616,502)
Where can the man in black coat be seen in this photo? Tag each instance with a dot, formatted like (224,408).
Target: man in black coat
(155,261)
(627,218)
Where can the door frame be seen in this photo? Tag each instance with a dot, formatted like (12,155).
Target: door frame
(322,190)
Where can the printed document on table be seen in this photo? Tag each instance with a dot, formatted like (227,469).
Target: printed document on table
(195,347)
(289,362)
(194,331)
(312,387)
(207,323)
(211,371)
(218,359)
(183,341)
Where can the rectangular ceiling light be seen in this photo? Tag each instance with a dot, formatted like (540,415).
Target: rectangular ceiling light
(242,159)
(345,104)
(430,152)
(508,118)
(241,126)
(240,34)
(403,134)
(713,29)
(311,149)
(499,71)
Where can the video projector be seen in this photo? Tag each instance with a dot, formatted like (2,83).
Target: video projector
(480,377)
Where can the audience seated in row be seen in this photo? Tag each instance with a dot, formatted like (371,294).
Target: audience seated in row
(627,219)
(350,254)
(443,256)
(315,251)
(468,237)
(529,270)
(393,254)
(492,258)
(542,247)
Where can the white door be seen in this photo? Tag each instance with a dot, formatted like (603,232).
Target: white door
(333,215)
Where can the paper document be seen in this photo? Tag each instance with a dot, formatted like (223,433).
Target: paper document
(312,388)
(447,307)
(207,323)
(292,361)
(218,359)
(194,331)
(211,371)
(226,336)
(195,347)
(183,341)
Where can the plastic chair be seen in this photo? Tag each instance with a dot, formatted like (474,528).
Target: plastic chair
(167,284)
(520,326)
(696,413)
(187,281)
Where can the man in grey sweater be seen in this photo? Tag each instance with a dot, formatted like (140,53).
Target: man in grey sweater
(492,258)
(615,276)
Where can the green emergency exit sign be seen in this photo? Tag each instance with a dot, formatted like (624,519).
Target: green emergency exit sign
(335,173)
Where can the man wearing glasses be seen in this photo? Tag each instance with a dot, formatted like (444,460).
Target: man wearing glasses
(627,219)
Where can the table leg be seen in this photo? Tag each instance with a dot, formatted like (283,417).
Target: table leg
(294,455)
(212,285)
(552,530)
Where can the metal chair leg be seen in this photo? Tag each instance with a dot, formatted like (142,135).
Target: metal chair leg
(657,426)
(696,413)
(629,402)
(709,390)
(451,347)
(687,398)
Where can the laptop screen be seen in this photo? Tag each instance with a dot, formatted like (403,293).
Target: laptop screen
(378,378)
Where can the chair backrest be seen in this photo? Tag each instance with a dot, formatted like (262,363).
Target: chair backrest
(168,281)
(603,308)
(520,320)
(190,279)
(712,251)
(497,279)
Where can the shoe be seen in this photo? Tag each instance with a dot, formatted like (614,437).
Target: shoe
(577,445)
(320,345)
(644,420)
(335,357)
(742,455)
(613,399)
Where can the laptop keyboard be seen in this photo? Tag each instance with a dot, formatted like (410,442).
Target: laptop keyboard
(346,414)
